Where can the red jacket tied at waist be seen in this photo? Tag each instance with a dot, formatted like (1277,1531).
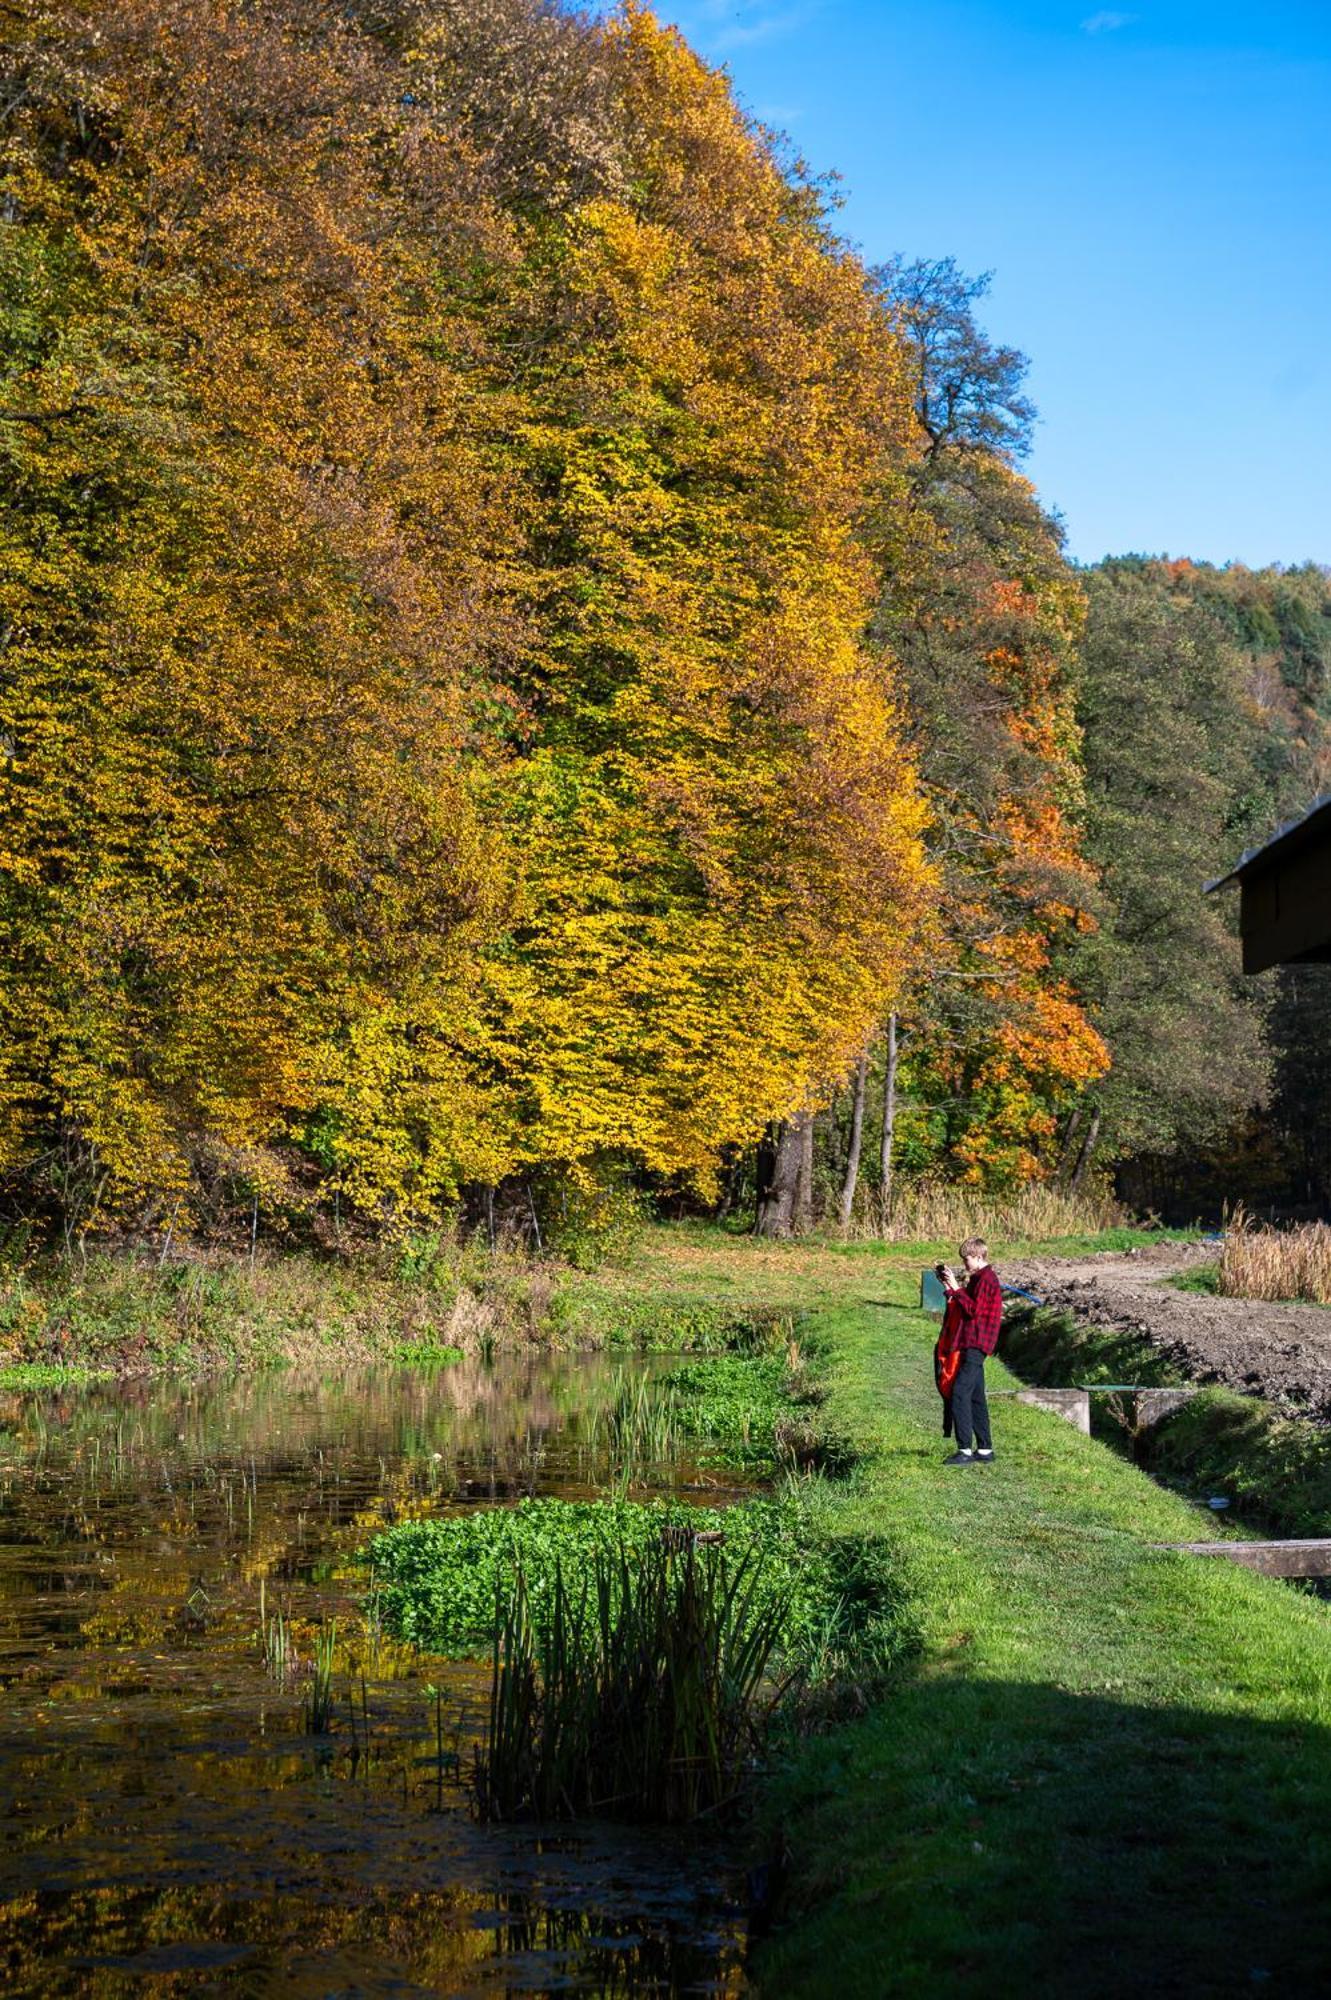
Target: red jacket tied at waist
(974,1316)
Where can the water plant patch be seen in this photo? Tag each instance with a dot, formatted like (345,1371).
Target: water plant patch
(734,1402)
(28,1375)
(843,1613)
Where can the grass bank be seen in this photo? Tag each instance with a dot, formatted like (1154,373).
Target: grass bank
(1098,1766)
(125,1312)
(1273,1469)
(131,1311)
(1057,1350)
(1110,1770)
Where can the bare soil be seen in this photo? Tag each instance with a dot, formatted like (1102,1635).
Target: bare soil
(1280,1351)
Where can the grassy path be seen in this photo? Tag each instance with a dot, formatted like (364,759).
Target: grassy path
(1111,1772)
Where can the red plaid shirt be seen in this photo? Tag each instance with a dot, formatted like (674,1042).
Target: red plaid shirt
(974,1316)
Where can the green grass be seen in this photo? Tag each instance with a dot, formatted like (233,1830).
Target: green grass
(1274,1469)
(1201,1278)
(1111,1770)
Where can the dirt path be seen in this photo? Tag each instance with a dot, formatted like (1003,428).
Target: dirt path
(1282,1352)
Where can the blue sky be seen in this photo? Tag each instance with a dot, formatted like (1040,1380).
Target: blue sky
(1150,184)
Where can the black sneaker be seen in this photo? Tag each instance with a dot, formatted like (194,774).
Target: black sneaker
(960,1458)
(985,1457)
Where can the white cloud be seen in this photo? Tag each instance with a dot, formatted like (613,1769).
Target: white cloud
(1105,22)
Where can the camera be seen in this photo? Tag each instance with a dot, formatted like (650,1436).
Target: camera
(939,1269)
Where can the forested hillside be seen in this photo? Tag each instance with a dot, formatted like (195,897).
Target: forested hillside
(524,666)
(1207,714)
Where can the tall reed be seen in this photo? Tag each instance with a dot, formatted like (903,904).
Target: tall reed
(318,1703)
(944,1212)
(642,1694)
(638,1428)
(1276,1263)
(279,1657)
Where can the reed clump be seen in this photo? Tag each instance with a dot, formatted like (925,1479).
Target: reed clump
(643,1693)
(1257,1263)
(637,1430)
(318,1701)
(275,1642)
(944,1212)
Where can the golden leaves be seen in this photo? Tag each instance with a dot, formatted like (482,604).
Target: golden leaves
(443,738)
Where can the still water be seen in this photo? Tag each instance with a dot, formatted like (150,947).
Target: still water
(169,1825)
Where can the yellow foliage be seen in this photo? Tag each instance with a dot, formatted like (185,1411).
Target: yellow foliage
(436,722)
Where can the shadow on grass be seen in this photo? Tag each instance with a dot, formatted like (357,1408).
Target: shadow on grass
(1011,1838)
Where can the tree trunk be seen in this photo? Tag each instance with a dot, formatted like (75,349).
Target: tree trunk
(779,1183)
(851,1178)
(1067,1145)
(889,1116)
(803,1217)
(1087,1149)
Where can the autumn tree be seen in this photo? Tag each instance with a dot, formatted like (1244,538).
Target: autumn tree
(985,614)
(440,740)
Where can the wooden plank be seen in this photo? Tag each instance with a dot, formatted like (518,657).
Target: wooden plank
(1293,1558)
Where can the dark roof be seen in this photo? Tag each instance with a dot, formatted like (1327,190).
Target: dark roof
(1315,824)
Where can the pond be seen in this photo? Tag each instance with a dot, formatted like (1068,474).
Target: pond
(170,1824)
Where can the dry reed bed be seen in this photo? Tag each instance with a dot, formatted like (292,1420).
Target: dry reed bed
(1277,1264)
(936,1212)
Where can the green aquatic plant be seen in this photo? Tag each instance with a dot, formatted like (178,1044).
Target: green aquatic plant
(733,1402)
(279,1657)
(843,1611)
(642,1691)
(21,1375)
(437,1579)
(318,1703)
(636,1431)
(426,1354)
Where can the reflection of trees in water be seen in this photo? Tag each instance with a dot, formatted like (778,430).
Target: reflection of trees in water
(136,1522)
(441,1939)
(160,1506)
(282,1425)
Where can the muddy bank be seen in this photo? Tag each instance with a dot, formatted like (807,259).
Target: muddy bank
(1279,1351)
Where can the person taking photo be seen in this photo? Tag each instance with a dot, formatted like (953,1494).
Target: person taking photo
(969,1336)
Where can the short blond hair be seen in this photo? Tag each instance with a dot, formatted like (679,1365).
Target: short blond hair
(975,1246)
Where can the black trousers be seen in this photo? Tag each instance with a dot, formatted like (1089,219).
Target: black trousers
(970,1410)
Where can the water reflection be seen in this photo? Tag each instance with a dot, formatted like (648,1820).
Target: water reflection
(165,1816)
